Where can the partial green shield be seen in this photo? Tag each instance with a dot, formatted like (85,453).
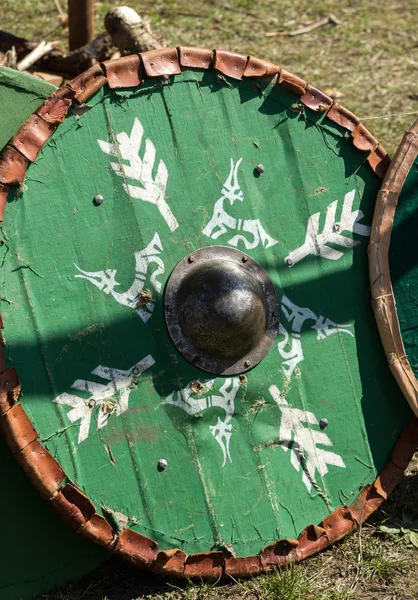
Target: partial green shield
(37,550)
(20,95)
(194,471)
(393,265)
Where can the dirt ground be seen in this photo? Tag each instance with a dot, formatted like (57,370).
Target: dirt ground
(370,564)
(369,64)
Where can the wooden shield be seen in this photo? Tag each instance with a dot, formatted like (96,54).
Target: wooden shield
(132,169)
(34,539)
(393,268)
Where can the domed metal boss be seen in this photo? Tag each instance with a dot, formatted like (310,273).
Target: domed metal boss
(221,310)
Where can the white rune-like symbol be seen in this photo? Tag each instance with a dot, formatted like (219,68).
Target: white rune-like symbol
(303,441)
(222,222)
(317,243)
(193,402)
(296,317)
(136,297)
(107,399)
(152,189)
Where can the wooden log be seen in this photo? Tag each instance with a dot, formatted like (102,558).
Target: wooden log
(57,61)
(129,31)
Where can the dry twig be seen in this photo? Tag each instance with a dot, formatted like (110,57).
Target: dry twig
(325,21)
(11,58)
(56,61)
(41,50)
(62,15)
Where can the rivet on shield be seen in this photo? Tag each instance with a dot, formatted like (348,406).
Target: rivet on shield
(98,200)
(323,423)
(162,464)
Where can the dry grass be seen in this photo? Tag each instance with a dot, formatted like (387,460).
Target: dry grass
(369,61)
(368,565)
(370,64)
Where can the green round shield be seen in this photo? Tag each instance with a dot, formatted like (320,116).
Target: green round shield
(186,308)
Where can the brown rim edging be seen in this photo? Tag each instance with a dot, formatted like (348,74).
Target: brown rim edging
(130,71)
(78,511)
(42,469)
(383,301)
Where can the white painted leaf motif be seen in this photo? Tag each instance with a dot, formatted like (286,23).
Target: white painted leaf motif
(317,243)
(151,190)
(222,432)
(303,441)
(108,399)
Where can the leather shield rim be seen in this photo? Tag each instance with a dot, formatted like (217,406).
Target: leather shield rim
(130,71)
(42,469)
(383,301)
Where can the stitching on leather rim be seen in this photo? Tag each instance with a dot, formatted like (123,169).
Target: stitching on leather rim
(40,466)
(383,301)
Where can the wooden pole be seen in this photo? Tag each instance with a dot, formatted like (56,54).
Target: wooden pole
(80,22)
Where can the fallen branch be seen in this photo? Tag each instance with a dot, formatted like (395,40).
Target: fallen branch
(56,61)
(37,53)
(129,31)
(325,21)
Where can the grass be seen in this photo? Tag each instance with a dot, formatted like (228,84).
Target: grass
(369,63)
(369,564)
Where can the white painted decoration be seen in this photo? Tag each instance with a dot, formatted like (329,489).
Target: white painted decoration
(194,403)
(106,282)
(316,243)
(151,189)
(290,346)
(297,435)
(112,398)
(252,232)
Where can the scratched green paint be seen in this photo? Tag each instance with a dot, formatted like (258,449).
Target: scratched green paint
(60,328)
(38,550)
